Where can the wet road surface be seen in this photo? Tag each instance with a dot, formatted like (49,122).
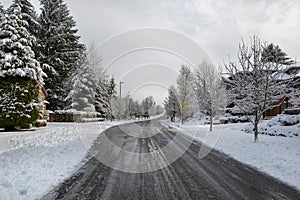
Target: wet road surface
(138,164)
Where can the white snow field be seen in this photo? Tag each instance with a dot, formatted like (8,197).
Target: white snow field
(33,162)
(274,155)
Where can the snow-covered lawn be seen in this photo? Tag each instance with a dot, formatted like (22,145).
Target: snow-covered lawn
(33,162)
(275,155)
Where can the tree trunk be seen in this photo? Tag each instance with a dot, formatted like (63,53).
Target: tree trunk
(181,115)
(211,122)
(256,131)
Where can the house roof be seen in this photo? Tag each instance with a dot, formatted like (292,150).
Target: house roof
(279,102)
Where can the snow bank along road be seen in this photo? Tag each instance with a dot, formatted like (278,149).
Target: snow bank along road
(216,176)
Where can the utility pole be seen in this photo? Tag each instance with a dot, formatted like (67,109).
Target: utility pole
(121,88)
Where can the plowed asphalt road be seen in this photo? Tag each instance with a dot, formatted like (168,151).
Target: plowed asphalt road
(126,173)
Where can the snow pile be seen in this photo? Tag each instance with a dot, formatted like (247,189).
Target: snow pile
(276,156)
(59,136)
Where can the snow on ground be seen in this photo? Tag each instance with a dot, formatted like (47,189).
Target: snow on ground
(33,162)
(275,155)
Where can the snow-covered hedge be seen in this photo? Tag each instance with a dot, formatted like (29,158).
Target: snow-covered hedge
(284,120)
(40,123)
(233,119)
(74,115)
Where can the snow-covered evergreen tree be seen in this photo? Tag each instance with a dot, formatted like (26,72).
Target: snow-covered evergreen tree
(255,82)
(2,12)
(20,73)
(102,97)
(28,14)
(272,53)
(131,108)
(84,88)
(111,89)
(209,89)
(172,103)
(59,50)
(185,92)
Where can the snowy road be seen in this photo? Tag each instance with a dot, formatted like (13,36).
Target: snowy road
(217,176)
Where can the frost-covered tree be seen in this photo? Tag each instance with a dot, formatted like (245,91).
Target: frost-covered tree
(102,98)
(147,103)
(119,107)
(209,89)
(20,73)
(59,50)
(152,110)
(111,89)
(159,109)
(84,88)
(172,103)
(255,83)
(185,92)
(138,108)
(131,108)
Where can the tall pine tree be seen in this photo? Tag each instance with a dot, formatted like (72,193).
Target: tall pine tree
(20,73)
(59,50)
(272,53)
(2,11)
(30,16)
(111,89)
(172,103)
(84,88)
(102,97)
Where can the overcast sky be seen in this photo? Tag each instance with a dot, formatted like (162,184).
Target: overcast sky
(216,25)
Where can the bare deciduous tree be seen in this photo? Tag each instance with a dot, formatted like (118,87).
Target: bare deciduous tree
(210,92)
(255,84)
(185,92)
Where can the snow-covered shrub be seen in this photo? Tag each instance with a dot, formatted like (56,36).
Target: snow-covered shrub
(74,116)
(292,111)
(284,120)
(233,119)
(19,102)
(40,123)
(64,115)
(281,125)
(235,111)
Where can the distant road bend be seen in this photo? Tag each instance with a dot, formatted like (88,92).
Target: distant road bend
(216,176)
